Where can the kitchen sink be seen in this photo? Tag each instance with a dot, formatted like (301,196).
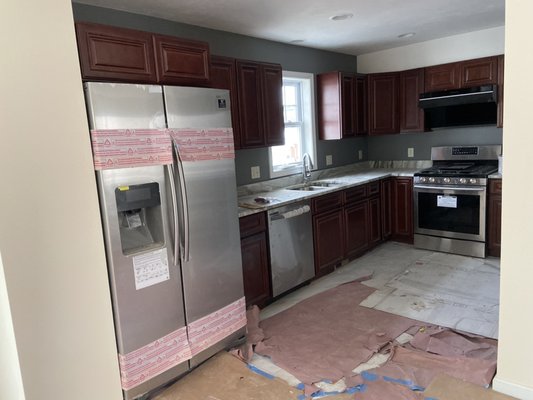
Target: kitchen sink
(315,185)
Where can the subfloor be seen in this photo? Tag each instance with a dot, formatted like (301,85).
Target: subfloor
(227,378)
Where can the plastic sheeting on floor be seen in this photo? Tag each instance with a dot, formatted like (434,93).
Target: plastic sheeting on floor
(447,290)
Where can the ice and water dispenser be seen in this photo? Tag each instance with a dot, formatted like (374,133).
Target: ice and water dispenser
(139,216)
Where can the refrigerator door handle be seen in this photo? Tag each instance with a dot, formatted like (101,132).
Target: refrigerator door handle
(170,169)
(185,208)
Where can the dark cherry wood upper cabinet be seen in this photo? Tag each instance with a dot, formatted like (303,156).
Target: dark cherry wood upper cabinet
(481,71)
(499,122)
(442,77)
(180,61)
(224,76)
(250,103)
(109,53)
(361,105)
(273,121)
(348,105)
(411,86)
(260,104)
(342,105)
(383,96)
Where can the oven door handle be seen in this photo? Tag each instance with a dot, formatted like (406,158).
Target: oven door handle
(464,189)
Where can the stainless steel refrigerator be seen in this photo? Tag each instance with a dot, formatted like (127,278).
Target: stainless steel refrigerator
(171,229)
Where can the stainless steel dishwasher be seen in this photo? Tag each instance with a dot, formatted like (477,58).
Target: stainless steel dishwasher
(291,246)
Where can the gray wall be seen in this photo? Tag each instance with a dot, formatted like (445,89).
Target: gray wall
(292,58)
(394,147)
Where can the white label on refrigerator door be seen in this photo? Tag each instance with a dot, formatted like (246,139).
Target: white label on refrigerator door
(447,201)
(150,268)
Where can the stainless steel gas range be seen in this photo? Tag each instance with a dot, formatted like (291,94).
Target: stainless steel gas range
(450,199)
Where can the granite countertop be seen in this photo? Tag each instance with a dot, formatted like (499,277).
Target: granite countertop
(281,196)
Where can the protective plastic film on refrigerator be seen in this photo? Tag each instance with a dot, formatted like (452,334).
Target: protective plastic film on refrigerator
(169,212)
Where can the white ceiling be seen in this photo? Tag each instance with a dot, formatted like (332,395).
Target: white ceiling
(375,25)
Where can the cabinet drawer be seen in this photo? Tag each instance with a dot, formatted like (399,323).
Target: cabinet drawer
(355,194)
(327,202)
(372,188)
(251,224)
(495,186)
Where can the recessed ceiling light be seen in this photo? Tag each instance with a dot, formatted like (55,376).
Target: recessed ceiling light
(296,41)
(341,17)
(406,35)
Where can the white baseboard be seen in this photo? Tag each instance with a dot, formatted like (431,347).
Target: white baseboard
(512,389)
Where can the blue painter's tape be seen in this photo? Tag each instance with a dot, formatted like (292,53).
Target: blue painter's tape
(355,389)
(300,386)
(430,398)
(400,381)
(369,376)
(321,393)
(301,397)
(260,372)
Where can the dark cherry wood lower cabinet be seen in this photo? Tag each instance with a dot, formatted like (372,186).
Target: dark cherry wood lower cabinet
(255,263)
(402,210)
(386,208)
(328,233)
(374,221)
(494,215)
(356,228)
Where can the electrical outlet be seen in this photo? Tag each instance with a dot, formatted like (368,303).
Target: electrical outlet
(329,159)
(256,172)
(360,154)
(410,152)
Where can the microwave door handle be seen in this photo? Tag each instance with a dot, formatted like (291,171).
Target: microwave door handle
(184,207)
(170,169)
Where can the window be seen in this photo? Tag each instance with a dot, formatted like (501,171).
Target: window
(298,106)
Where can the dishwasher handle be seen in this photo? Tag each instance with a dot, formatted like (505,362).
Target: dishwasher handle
(290,214)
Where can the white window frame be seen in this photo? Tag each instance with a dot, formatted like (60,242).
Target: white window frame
(309,122)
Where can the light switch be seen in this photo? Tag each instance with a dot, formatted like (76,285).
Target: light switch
(256,172)
(329,159)
(410,152)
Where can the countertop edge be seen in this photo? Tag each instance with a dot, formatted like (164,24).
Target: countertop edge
(351,180)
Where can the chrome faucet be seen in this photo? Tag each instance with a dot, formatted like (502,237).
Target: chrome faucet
(307,165)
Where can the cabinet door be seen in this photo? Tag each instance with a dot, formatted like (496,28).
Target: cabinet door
(361,106)
(180,61)
(383,103)
(356,228)
(499,122)
(442,77)
(374,221)
(386,208)
(402,221)
(273,104)
(481,71)
(250,104)
(224,76)
(348,105)
(494,220)
(329,105)
(109,53)
(411,85)
(255,269)
(328,235)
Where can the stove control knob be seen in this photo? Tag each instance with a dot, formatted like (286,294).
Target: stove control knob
(431,180)
(472,181)
(423,179)
(447,180)
(462,181)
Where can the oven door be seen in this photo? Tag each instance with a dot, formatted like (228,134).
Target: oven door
(451,212)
